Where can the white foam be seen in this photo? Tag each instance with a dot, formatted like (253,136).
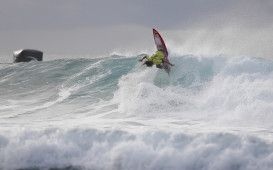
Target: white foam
(93,149)
(241,93)
(132,86)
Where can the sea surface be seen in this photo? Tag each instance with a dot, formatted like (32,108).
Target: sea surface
(112,113)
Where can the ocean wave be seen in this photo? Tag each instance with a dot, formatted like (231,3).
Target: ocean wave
(212,112)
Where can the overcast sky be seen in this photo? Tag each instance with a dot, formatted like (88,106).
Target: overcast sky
(99,27)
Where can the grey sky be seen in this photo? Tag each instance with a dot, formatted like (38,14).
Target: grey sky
(98,27)
(70,14)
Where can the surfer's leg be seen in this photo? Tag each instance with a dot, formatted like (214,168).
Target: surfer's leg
(167,68)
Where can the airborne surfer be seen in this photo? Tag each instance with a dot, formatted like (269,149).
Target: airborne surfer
(160,58)
(157,59)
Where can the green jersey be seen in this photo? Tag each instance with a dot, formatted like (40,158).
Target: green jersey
(156,58)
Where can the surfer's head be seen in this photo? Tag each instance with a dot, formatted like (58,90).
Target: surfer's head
(148,63)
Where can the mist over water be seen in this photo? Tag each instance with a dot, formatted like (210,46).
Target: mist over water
(230,39)
(212,112)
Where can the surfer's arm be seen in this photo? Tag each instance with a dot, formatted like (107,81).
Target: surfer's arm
(142,58)
(167,61)
(147,57)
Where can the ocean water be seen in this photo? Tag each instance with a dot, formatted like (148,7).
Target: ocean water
(212,112)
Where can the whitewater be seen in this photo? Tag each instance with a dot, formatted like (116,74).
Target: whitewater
(212,112)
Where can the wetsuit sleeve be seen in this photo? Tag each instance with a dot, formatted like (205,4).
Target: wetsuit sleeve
(149,58)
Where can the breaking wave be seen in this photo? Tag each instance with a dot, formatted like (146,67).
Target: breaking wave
(113,113)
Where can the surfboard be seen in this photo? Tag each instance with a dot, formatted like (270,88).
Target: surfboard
(159,42)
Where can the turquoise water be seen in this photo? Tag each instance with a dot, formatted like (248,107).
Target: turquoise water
(212,112)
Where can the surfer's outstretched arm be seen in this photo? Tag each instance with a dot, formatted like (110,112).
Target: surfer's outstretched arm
(140,60)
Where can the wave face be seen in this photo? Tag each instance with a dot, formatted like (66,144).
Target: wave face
(113,113)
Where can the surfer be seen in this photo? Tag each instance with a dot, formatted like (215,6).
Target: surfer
(160,58)
(157,59)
